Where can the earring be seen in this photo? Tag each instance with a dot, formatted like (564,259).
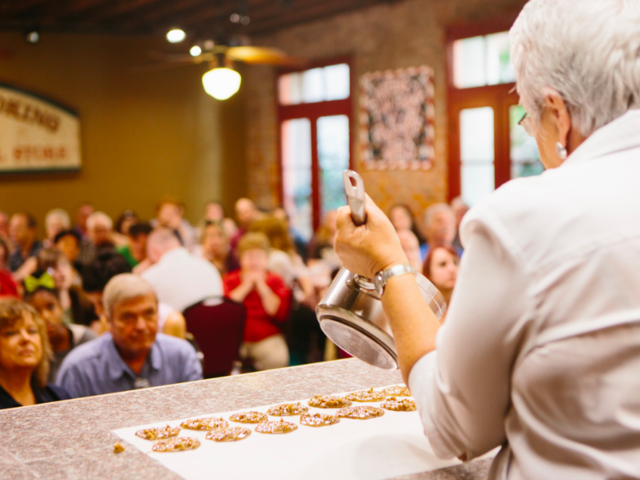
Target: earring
(562,151)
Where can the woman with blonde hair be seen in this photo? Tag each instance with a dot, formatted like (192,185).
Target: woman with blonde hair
(24,357)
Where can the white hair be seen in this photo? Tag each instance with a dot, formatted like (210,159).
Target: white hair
(124,287)
(99,217)
(437,208)
(586,50)
(59,213)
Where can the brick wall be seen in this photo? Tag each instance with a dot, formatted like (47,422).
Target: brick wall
(388,36)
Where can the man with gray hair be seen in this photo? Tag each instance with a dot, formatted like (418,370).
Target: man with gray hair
(133,354)
(439,228)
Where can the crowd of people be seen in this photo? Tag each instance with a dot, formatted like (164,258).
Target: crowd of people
(97,307)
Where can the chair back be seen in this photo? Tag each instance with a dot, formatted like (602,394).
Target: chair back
(217,324)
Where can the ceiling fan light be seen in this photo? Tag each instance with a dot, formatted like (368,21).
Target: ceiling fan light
(195,51)
(221,83)
(176,35)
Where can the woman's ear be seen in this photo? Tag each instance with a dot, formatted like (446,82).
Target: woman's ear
(558,114)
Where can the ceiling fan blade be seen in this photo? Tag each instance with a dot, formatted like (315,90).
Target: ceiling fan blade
(263,56)
(181,57)
(158,67)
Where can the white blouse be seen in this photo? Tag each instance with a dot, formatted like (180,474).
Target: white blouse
(540,352)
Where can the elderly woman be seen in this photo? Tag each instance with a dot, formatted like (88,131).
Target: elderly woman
(540,351)
(24,357)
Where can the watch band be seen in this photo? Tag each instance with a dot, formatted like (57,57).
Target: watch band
(380,279)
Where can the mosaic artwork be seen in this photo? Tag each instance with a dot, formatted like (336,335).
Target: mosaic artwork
(396,119)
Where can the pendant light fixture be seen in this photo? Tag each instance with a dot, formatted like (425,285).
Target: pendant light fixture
(222,81)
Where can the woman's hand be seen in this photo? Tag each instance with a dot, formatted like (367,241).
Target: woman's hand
(369,248)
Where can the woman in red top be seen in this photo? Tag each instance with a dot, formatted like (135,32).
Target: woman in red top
(267,301)
(8,287)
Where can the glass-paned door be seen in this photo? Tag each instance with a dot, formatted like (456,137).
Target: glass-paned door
(314,109)
(296,174)
(477,154)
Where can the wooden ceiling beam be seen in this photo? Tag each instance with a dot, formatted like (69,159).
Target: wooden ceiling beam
(114,10)
(264,25)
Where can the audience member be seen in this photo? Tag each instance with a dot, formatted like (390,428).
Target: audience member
(215,247)
(170,214)
(4,226)
(246,213)
(298,239)
(84,210)
(132,354)
(460,209)
(24,357)
(304,337)
(8,287)
(55,222)
(63,335)
(439,227)
(22,230)
(135,251)
(411,247)
(95,277)
(179,278)
(99,234)
(321,245)
(214,212)
(75,303)
(125,222)
(266,299)
(441,268)
(68,242)
(402,218)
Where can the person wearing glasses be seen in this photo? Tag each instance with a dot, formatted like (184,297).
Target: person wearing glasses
(133,354)
(540,352)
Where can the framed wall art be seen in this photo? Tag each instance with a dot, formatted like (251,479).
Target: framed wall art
(397,119)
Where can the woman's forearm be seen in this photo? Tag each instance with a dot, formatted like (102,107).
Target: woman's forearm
(413,324)
(270,301)
(239,293)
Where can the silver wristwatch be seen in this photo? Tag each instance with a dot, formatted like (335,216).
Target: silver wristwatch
(380,279)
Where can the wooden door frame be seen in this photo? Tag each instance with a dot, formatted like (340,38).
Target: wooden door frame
(499,97)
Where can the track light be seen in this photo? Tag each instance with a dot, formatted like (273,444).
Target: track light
(195,51)
(176,35)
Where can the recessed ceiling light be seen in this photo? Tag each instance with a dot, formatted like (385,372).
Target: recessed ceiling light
(176,35)
(195,51)
(32,36)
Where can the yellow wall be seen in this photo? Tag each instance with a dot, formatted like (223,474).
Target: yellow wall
(145,135)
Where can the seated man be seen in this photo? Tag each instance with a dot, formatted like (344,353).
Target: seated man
(133,355)
(179,278)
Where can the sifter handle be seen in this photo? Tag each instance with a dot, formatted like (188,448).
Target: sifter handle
(354,188)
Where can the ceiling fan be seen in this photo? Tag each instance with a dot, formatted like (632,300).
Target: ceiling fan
(222,81)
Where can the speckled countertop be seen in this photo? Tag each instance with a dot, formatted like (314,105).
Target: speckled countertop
(73,439)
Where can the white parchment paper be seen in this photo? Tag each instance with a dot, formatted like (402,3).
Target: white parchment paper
(379,448)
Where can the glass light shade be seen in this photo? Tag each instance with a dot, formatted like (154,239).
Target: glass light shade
(221,83)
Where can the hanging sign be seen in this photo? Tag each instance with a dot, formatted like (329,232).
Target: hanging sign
(37,134)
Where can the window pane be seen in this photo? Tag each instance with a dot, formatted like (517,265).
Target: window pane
(296,173)
(312,85)
(476,135)
(469,62)
(336,80)
(480,61)
(499,68)
(478,181)
(290,89)
(333,156)
(525,159)
(476,154)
